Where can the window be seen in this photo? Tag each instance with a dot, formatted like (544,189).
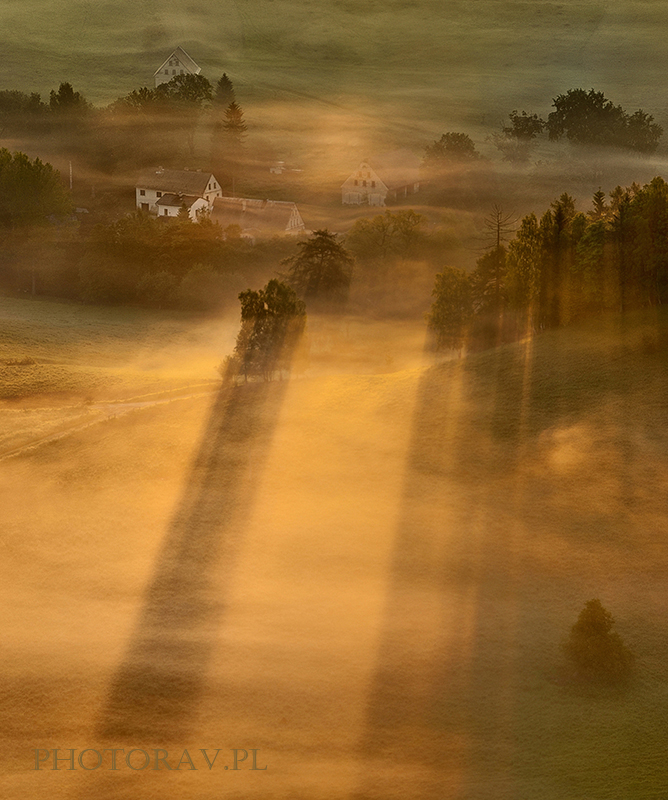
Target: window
(166,212)
(173,72)
(181,72)
(363,183)
(142,193)
(158,194)
(373,184)
(166,72)
(356,183)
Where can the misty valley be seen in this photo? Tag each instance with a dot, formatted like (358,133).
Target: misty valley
(333,379)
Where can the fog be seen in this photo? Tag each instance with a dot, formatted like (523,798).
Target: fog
(363,577)
(359,575)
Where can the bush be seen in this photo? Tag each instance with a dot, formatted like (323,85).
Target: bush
(597,653)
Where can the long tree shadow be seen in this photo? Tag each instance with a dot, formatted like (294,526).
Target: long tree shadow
(417,740)
(155,691)
(481,508)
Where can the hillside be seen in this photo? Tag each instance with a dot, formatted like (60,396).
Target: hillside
(403,70)
(378,568)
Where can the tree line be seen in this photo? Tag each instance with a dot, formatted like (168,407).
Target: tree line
(142,128)
(586,118)
(564,266)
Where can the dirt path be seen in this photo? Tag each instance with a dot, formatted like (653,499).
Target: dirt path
(104,411)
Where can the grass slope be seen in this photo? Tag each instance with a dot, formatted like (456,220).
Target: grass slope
(419,544)
(417,65)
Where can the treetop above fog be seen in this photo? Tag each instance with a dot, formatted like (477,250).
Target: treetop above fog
(590,118)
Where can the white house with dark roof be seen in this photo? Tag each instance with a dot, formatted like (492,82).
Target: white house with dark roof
(258,218)
(395,174)
(178,63)
(164,191)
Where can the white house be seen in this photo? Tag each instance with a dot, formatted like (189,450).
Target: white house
(395,174)
(258,218)
(165,191)
(178,63)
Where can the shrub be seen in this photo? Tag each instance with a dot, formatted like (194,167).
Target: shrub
(597,653)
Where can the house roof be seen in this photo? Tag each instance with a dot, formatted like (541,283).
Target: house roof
(175,180)
(396,168)
(177,200)
(266,216)
(183,58)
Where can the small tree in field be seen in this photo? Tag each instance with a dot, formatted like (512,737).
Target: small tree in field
(452,309)
(597,653)
(273,320)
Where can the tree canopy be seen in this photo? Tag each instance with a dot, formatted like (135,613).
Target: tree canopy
(224,93)
(452,308)
(595,650)
(516,140)
(322,269)
(273,320)
(391,233)
(29,190)
(590,118)
(67,101)
(451,146)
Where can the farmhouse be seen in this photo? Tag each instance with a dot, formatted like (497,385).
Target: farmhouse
(178,63)
(395,174)
(258,218)
(165,191)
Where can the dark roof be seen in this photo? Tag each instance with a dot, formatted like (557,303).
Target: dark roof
(177,200)
(396,168)
(266,216)
(175,180)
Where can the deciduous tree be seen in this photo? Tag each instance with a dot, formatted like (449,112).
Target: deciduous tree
(273,321)
(452,146)
(452,309)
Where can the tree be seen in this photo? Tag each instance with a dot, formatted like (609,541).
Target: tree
(590,118)
(187,95)
(391,233)
(67,101)
(19,111)
(188,91)
(642,133)
(234,125)
(597,653)
(452,309)
(322,269)
(515,140)
(30,191)
(488,279)
(273,321)
(457,147)
(523,269)
(224,94)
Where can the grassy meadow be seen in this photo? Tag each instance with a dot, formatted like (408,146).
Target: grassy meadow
(365,572)
(392,559)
